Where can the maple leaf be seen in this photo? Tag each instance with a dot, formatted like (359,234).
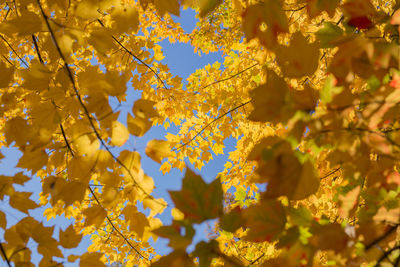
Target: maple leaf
(173,232)
(197,200)
(298,59)
(265,220)
(157,150)
(120,134)
(21,201)
(95,215)
(315,7)
(269,99)
(283,171)
(70,238)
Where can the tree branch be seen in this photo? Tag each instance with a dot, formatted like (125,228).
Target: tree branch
(382,237)
(115,228)
(228,78)
(210,123)
(385,255)
(256,260)
(330,173)
(4,255)
(138,59)
(37,49)
(66,140)
(15,52)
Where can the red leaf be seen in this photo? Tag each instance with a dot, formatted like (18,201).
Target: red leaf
(361,22)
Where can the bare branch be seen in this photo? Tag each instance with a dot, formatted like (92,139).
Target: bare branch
(37,49)
(4,255)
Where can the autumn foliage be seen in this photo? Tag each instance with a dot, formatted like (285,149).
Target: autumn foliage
(310,89)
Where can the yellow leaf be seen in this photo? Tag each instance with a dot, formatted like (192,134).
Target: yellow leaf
(156,206)
(26,23)
(109,179)
(207,6)
(72,258)
(348,202)
(163,6)
(269,100)
(137,221)
(37,77)
(298,59)
(307,184)
(72,191)
(119,134)
(43,235)
(18,130)
(94,215)
(131,160)
(138,126)
(3,220)
(88,9)
(91,259)
(143,108)
(158,149)
(85,145)
(177,214)
(126,18)
(70,238)
(33,160)
(165,167)
(7,75)
(21,201)
(101,40)
(158,55)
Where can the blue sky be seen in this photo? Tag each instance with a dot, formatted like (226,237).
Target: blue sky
(182,61)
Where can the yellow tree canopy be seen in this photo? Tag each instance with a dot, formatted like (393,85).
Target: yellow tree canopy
(310,89)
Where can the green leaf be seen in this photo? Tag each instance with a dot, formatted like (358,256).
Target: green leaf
(329,89)
(300,215)
(328,34)
(240,195)
(197,200)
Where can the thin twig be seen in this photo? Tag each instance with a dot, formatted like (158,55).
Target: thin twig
(295,9)
(115,228)
(210,123)
(66,140)
(15,52)
(382,237)
(330,173)
(385,255)
(258,258)
(233,76)
(138,59)
(37,49)
(4,254)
